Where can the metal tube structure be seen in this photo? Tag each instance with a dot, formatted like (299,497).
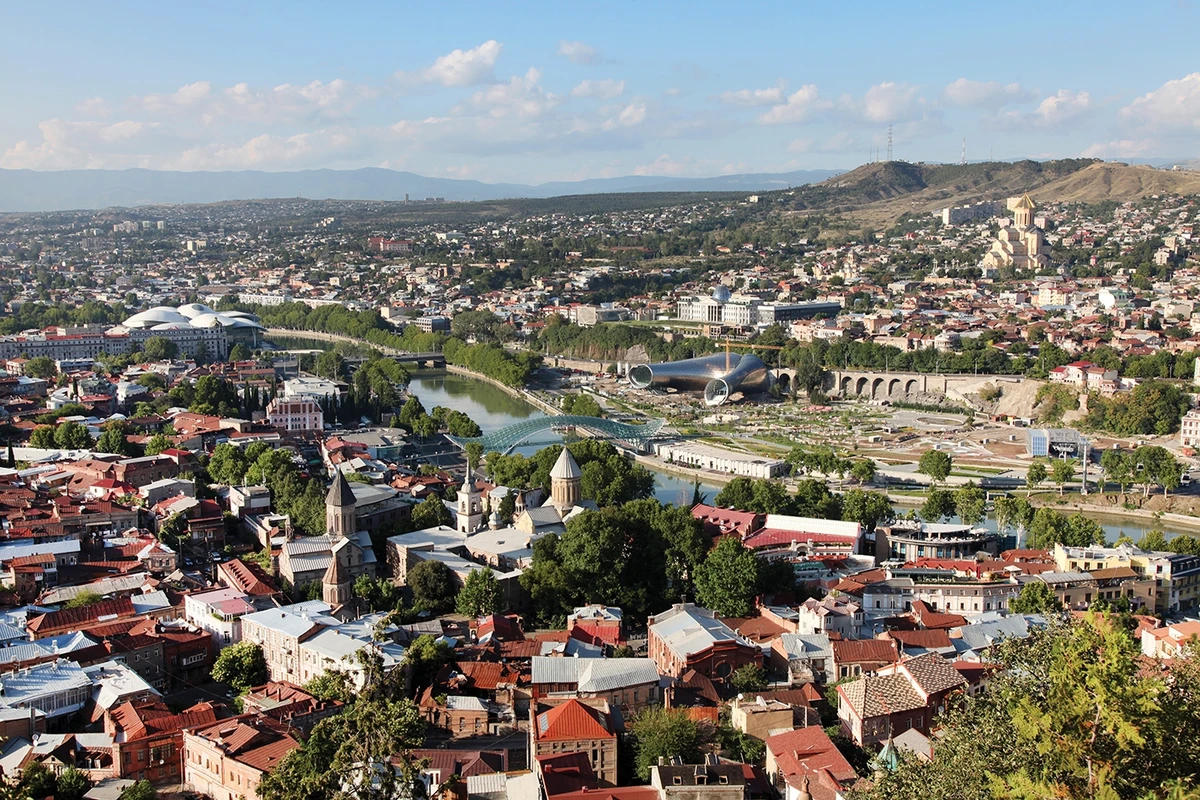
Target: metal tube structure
(717,376)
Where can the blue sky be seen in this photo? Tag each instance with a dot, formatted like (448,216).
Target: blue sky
(532,92)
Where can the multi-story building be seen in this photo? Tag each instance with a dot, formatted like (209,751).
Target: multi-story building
(575,726)
(57,688)
(1189,428)
(625,683)
(905,542)
(148,738)
(940,590)
(901,697)
(690,637)
(228,760)
(220,612)
(298,414)
(1177,575)
(279,632)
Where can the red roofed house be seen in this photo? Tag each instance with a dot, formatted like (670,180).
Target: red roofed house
(228,760)
(806,764)
(597,624)
(726,521)
(148,738)
(813,536)
(573,726)
(853,657)
(898,698)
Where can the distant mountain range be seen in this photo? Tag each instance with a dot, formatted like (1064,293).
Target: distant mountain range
(28,190)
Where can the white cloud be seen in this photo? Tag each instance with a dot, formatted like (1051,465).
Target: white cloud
(889,102)
(269,151)
(460,67)
(630,116)
(1120,148)
(1055,112)
(93,107)
(754,97)
(799,106)
(1174,105)
(82,145)
(987,94)
(185,97)
(602,89)
(578,52)
(1063,106)
(283,103)
(520,97)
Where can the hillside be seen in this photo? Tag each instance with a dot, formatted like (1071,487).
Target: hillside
(1122,182)
(880,192)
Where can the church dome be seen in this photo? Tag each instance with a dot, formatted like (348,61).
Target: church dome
(566,468)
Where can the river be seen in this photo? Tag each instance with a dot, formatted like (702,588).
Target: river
(493,408)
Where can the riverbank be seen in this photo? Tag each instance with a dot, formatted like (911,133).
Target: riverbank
(520,394)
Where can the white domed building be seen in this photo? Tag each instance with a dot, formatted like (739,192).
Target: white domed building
(195,328)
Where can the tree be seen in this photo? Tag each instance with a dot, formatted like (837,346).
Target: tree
(935,464)
(158,443)
(159,348)
(113,440)
(241,665)
(1035,598)
(659,732)
(863,471)
(581,405)
(425,656)
(867,508)
(970,503)
(430,513)
(749,678)
(239,352)
(1118,467)
(72,436)
(727,579)
(737,494)
(42,437)
(474,451)
(40,367)
(332,685)
(227,464)
(1061,471)
(1014,513)
(380,594)
(480,594)
(411,411)
(85,597)
(1153,540)
(1070,712)
(1036,475)
(38,781)
(72,784)
(331,365)
(142,790)
(432,585)
(938,505)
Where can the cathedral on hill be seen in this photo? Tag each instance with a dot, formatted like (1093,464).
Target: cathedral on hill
(1020,244)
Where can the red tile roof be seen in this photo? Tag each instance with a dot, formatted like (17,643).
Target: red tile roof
(809,752)
(573,720)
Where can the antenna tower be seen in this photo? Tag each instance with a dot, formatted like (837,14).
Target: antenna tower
(963,160)
(889,158)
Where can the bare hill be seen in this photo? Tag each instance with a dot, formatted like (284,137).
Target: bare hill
(879,193)
(1120,182)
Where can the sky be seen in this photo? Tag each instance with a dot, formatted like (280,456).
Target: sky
(528,92)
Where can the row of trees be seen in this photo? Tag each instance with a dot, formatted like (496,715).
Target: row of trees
(492,360)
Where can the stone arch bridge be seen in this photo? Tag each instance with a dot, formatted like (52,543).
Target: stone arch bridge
(890,385)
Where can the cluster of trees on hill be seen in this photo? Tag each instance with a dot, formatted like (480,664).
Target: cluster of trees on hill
(610,341)
(1153,408)
(492,360)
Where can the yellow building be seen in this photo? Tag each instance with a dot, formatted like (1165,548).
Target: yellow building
(1019,244)
(1177,576)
